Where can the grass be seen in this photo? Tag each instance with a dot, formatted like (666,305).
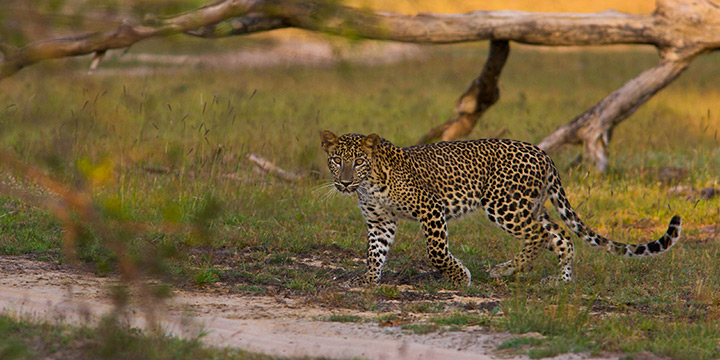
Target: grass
(23,229)
(421,328)
(570,326)
(206,276)
(169,149)
(456,321)
(23,339)
(461,319)
(345,318)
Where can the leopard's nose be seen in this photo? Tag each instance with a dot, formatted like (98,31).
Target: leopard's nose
(345,183)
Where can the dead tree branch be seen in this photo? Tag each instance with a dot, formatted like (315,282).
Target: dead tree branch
(593,128)
(268,167)
(250,23)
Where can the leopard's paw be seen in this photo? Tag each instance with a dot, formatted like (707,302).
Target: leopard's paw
(360,281)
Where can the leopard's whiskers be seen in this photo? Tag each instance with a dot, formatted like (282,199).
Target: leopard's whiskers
(328,188)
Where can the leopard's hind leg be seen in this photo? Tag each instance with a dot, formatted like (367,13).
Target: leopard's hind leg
(520,216)
(538,232)
(561,245)
(536,238)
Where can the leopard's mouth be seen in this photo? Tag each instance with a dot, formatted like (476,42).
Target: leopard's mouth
(346,189)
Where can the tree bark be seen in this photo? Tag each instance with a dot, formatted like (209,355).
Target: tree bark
(593,128)
(239,26)
(679,29)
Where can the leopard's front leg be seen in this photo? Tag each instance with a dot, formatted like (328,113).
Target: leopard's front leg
(381,228)
(434,227)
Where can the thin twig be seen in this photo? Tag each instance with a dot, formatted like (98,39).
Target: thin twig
(273,169)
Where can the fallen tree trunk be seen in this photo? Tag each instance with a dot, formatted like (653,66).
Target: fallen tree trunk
(680,30)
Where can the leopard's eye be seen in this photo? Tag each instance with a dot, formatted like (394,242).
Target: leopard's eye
(359,162)
(337,160)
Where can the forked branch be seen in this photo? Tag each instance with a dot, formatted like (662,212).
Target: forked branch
(593,128)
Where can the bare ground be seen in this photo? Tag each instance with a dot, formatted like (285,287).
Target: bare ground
(281,326)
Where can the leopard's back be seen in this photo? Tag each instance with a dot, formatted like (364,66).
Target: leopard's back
(466,175)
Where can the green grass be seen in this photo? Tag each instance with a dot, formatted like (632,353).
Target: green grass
(345,318)
(206,276)
(24,229)
(168,150)
(22,339)
(568,324)
(421,328)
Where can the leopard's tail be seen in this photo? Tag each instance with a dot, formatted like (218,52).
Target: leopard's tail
(571,219)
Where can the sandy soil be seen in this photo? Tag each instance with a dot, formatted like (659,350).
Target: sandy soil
(276,326)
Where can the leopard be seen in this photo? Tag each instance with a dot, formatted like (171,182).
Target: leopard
(510,180)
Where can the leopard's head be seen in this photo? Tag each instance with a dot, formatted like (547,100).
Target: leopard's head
(350,158)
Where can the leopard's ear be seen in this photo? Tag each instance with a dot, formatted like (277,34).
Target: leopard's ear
(370,143)
(329,141)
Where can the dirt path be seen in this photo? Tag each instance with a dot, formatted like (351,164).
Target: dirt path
(282,326)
